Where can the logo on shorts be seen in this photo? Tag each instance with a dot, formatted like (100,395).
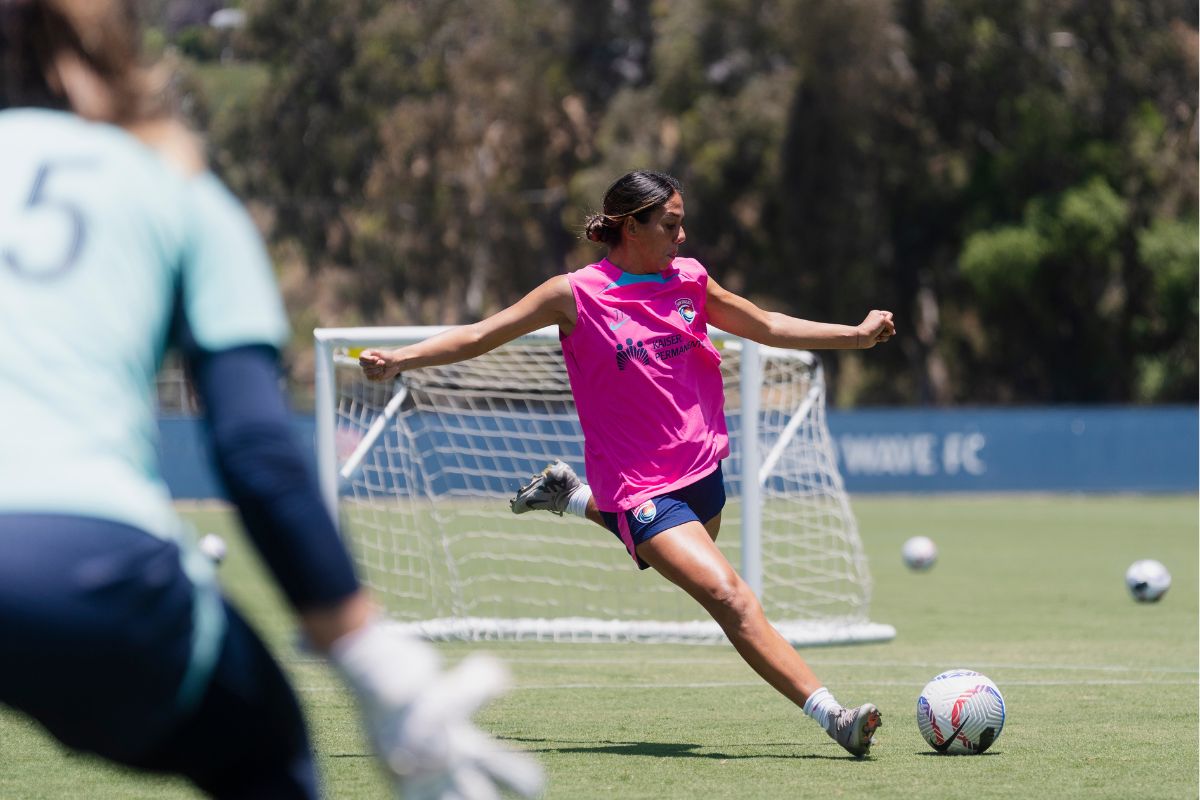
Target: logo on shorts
(645,512)
(686,309)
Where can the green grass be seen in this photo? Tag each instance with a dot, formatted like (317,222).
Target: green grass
(1101,692)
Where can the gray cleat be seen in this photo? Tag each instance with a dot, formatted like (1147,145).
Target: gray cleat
(854,727)
(549,490)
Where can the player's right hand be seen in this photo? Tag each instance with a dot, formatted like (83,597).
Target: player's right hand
(419,719)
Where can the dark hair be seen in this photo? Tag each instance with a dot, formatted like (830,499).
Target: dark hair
(105,35)
(636,194)
(22,77)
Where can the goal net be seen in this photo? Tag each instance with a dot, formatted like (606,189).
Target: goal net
(420,471)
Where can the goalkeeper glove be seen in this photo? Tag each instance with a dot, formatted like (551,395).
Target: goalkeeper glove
(419,717)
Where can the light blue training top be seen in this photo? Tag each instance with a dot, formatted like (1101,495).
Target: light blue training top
(102,245)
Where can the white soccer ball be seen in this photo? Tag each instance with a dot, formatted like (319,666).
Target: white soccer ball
(919,552)
(1148,580)
(960,712)
(213,546)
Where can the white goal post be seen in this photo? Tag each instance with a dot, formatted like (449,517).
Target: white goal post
(418,472)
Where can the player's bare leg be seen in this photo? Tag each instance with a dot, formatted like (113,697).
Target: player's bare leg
(713,526)
(687,556)
(593,514)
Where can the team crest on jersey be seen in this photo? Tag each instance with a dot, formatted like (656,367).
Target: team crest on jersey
(646,512)
(686,309)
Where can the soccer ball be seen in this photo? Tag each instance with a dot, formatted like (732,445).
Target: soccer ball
(1148,580)
(919,552)
(213,546)
(960,712)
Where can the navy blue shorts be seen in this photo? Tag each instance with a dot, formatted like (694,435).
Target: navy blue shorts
(98,620)
(698,502)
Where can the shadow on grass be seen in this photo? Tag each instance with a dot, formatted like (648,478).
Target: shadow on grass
(988,754)
(662,749)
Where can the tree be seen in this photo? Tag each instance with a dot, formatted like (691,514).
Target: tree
(1016,180)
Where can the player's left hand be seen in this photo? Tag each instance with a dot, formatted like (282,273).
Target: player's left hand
(377,365)
(476,765)
(876,328)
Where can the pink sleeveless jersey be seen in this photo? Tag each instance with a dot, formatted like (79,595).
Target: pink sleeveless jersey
(646,380)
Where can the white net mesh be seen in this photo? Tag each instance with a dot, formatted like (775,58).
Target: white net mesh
(427,467)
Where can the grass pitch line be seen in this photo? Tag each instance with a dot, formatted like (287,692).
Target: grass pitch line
(584,662)
(750,684)
(539,687)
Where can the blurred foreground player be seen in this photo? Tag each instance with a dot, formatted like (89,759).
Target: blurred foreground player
(115,242)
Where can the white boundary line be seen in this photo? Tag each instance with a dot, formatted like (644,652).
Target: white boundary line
(883,682)
(816,661)
(541,687)
(734,659)
(763,684)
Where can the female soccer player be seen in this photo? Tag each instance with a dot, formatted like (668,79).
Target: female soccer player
(115,242)
(647,385)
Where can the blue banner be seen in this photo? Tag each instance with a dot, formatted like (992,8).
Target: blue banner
(1081,449)
(1084,449)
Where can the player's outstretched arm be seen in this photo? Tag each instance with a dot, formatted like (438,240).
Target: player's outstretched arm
(549,304)
(737,315)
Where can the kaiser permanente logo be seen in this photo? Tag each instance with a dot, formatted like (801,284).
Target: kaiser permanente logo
(664,349)
(629,351)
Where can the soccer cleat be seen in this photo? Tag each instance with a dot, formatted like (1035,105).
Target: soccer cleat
(854,727)
(549,490)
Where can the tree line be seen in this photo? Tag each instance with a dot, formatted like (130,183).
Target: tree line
(1017,180)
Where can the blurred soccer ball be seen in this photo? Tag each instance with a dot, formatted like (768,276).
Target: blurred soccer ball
(213,546)
(919,552)
(1148,580)
(960,712)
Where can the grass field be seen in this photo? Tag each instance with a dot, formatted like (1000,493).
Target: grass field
(1102,693)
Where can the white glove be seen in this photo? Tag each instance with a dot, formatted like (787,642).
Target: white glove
(419,718)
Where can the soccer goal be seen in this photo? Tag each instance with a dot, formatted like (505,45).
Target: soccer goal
(420,471)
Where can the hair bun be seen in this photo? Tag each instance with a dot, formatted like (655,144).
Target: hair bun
(596,227)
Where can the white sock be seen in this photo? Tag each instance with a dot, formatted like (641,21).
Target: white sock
(577,502)
(822,707)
